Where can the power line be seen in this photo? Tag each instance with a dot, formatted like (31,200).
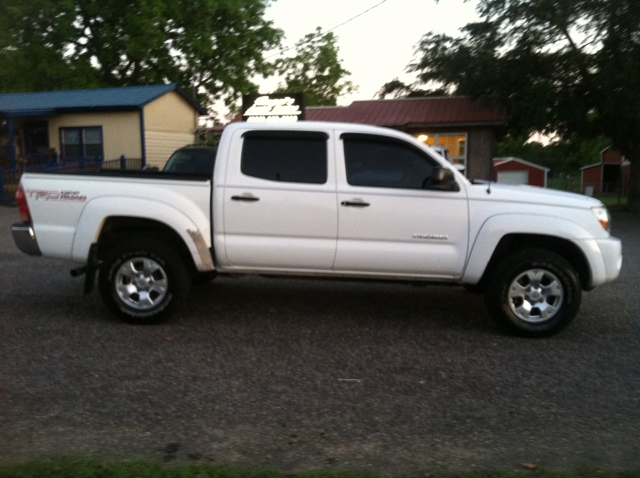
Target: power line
(328,31)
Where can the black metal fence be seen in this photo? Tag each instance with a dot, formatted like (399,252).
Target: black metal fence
(10,177)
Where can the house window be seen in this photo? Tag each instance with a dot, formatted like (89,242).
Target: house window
(455,143)
(81,143)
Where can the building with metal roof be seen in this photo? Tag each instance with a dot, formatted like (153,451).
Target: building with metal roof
(512,170)
(408,113)
(610,175)
(145,122)
(465,128)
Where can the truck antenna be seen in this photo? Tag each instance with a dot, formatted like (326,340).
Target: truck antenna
(491,170)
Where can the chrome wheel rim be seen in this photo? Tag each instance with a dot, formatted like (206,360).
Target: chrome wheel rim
(536,295)
(141,283)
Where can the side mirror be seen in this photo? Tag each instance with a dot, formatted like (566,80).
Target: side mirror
(443,179)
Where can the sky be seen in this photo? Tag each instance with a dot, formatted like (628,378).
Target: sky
(377,46)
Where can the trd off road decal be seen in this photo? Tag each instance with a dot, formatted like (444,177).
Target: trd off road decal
(73,196)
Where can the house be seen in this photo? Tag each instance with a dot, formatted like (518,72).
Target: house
(609,175)
(518,171)
(464,127)
(143,122)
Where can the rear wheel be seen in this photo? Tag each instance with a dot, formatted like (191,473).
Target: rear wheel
(533,293)
(143,281)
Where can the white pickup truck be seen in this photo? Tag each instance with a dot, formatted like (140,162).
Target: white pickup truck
(327,200)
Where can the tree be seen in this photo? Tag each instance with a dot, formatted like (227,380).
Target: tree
(568,67)
(315,70)
(213,47)
(402,90)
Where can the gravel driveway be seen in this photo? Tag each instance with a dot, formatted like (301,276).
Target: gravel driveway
(305,374)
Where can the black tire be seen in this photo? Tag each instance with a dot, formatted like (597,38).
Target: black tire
(533,293)
(474,288)
(201,278)
(153,283)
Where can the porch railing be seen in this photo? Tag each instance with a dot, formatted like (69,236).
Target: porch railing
(10,178)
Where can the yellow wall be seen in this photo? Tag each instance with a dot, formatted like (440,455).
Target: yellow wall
(120,131)
(170,123)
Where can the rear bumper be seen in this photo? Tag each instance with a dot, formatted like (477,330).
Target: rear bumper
(25,238)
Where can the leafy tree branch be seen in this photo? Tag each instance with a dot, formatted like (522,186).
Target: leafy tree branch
(315,70)
(212,46)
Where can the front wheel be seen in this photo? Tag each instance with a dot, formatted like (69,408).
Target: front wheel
(533,293)
(143,281)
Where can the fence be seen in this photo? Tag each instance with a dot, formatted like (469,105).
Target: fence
(10,178)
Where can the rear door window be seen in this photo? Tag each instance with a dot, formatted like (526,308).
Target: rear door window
(285,156)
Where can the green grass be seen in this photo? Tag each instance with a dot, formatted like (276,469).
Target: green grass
(565,183)
(91,468)
(572,184)
(613,200)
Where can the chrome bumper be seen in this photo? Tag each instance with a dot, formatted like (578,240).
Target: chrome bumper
(25,238)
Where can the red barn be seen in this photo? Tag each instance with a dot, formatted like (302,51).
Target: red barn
(519,171)
(610,175)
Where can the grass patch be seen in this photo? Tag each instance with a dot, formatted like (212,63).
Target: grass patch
(565,183)
(613,200)
(91,468)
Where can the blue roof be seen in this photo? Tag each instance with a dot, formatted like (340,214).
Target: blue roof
(99,99)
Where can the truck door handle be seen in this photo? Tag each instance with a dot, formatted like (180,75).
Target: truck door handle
(355,203)
(245,198)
